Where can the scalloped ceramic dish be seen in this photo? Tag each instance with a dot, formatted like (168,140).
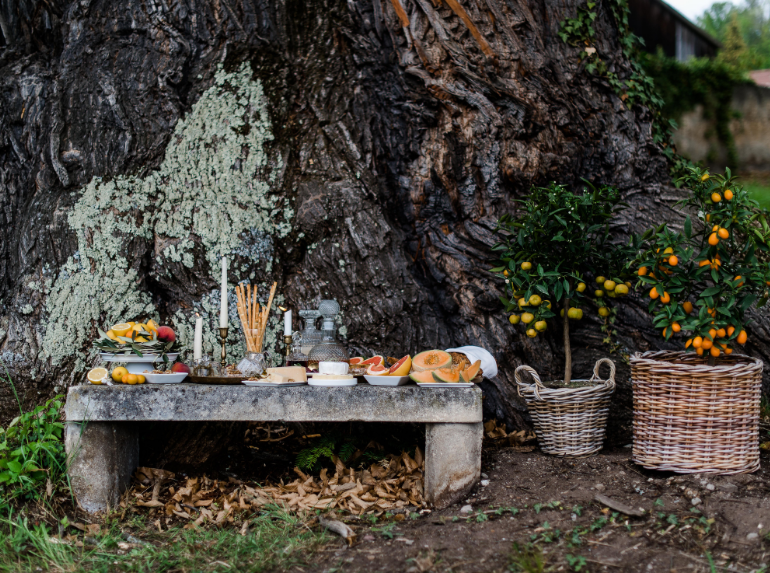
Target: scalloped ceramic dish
(165,378)
(387,380)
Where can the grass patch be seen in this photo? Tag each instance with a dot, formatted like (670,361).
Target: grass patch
(275,539)
(759,190)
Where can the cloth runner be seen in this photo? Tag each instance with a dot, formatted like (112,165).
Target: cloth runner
(488,362)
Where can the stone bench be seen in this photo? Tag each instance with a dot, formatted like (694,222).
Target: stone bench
(102,439)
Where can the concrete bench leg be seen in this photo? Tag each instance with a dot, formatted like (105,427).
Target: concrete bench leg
(102,458)
(452,461)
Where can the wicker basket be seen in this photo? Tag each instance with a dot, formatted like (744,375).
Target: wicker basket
(569,421)
(690,417)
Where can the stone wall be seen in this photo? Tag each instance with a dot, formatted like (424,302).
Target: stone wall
(695,138)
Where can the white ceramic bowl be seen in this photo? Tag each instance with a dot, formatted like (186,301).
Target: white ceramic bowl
(174,378)
(387,380)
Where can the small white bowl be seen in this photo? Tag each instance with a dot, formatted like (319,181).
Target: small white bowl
(387,380)
(173,378)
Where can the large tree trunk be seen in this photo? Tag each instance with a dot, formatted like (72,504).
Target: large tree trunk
(361,150)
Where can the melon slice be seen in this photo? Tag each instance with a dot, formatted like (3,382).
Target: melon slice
(430,360)
(373,360)
(402,367)
(448,375)
(377,370)
(471,372)
(356,360)
(422,377)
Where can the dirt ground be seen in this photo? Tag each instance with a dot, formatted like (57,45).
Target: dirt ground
(535,512)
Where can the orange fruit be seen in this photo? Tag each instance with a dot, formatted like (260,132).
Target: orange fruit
(730,330)
(130,379)
(665,298)
(729,195)
(675,326)
(673,260)
(738,278)
(664,332)
(713,239)
(715,351)
(723,233)
(654,293)
(708,218)
(140,379)
(704,263)
(699,351)
(712,333)
(697,342)
(704,177)
(526,265)
(721,333)
(706,344)
(688,343)
(716,197)
(742,337)
(118,373)
(642,271)
(687,306)
(728,350)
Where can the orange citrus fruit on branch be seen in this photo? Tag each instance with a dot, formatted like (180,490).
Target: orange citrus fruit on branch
(526,265)
(716,197)
(742,337)
(531,332)
(687,306)
(642,271)
(723,233)
(729,195)
(697,342)
(673,260)
(581,287)
(665,298)
(713,239)
(654,293)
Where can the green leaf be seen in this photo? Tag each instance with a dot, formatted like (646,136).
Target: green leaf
(687,227)
(711,291)
(747,302)
(14,466)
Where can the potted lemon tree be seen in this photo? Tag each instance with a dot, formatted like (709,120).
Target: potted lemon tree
(551,252)
(697,410)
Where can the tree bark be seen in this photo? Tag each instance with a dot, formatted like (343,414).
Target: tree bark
(372,146)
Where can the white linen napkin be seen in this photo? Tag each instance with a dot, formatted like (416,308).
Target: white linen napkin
(488,363)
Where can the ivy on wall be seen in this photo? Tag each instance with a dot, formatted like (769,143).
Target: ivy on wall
(666,87)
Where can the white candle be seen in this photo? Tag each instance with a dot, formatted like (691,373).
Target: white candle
(287,323)
(223,318)
(198,340)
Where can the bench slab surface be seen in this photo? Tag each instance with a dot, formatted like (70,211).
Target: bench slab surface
(102,439)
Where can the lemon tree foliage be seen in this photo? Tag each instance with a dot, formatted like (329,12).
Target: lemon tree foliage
(703,280)
(554,249)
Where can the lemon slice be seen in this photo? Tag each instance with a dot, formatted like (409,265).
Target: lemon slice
(97,375)
(121,329)
(152,325)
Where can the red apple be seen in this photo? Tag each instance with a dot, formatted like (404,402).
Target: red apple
(180,367)
(165,334)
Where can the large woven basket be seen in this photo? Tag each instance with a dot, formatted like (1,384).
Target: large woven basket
(690,417)
(569,421)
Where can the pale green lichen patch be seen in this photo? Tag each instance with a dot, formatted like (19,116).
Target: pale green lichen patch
(213,187)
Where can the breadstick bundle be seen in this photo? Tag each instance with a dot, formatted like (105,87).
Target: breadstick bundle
(253,316)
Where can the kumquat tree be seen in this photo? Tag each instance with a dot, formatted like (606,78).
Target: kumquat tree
(549,252)
(702,281)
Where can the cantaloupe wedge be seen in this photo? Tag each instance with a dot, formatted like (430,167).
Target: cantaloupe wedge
(471,372)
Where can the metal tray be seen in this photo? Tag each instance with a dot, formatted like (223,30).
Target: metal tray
(222,380)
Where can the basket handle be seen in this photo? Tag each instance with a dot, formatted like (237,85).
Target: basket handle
(533,373)
(596,377)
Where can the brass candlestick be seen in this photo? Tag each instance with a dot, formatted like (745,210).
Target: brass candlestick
(287,340)
(223,336)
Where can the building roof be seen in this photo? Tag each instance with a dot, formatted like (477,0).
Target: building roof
(761,77)
(693,27)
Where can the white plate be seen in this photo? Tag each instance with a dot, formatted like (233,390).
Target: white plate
(264,383)
(333,382)
(446,384)
(387,380)
(165,378)
(127,358)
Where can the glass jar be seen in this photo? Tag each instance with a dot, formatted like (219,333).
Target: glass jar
(253,364)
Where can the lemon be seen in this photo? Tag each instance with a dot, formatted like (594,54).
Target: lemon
(112,336)
(141,339)
(121,329)
(138,328)
(621,290)
(140,379)
(609,285)
(522,302)
(527,317)
(598,293)
(514,319)
(152,326)
(600,280)
(130,379)
(604,311)
(96,375)
(535,300)
(118,373)
(581,287)
(575,313)
(526,265)
(532,333)
(540,325)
